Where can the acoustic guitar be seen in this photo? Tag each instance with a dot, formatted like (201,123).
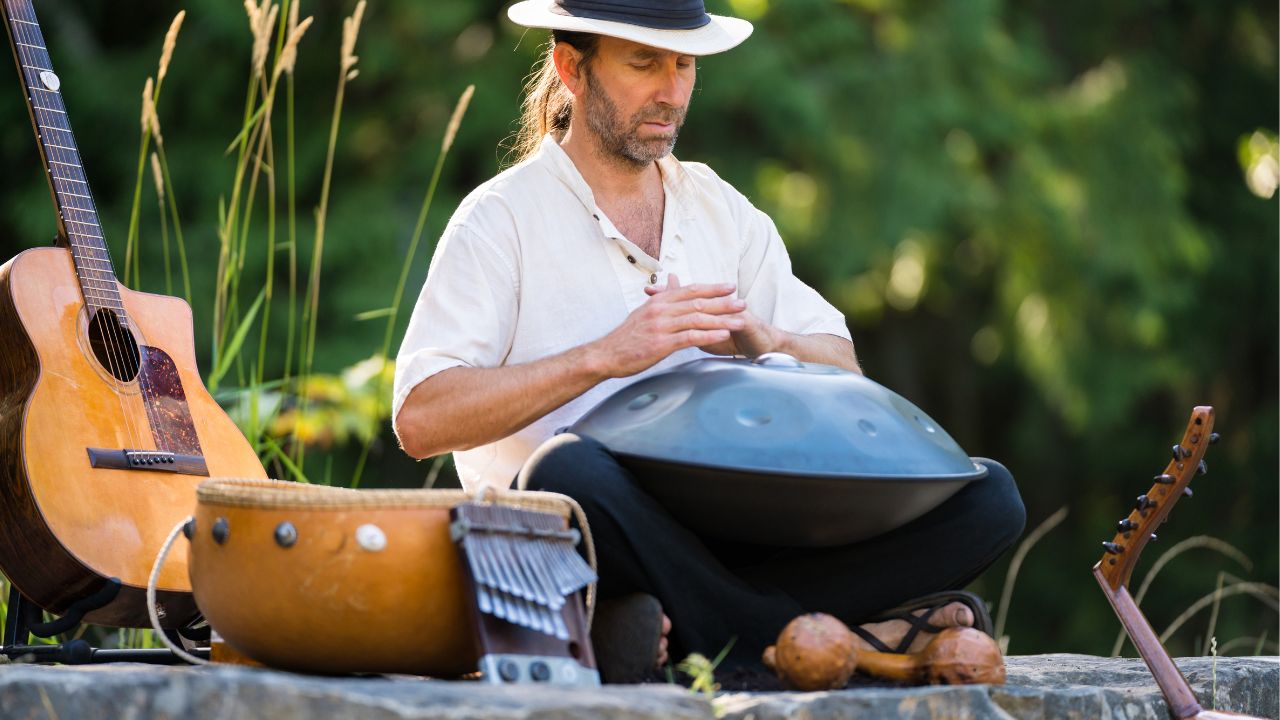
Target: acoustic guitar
(105,425)
(1120,556)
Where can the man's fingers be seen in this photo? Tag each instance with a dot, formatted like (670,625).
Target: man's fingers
(706,321)
(673,282)
(709,306)
(688,292)
(698,338)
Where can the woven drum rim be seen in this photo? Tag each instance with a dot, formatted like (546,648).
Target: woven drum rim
(287,495)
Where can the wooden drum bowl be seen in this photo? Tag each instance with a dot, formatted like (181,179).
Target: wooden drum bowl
(331,580)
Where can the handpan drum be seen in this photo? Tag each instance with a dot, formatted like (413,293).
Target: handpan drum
(779,452)
(331,580)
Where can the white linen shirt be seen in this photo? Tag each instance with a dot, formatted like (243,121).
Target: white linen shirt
(529,266)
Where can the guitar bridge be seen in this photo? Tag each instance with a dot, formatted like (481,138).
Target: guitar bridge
(154,460)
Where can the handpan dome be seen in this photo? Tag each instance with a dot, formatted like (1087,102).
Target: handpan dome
(777,451)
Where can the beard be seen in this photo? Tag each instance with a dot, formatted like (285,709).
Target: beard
(620,139)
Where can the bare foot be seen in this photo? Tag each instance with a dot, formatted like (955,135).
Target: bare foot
(662,643)
(891,632)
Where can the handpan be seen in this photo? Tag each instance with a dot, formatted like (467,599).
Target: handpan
(332,580)
(780,452)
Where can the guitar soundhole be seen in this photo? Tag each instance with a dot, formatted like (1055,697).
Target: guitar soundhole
(113,345)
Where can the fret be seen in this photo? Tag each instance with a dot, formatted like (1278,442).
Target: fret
(97,297)
(82,222)
(52,110)
(59,177)
(86,258)
(25,22)
(60,147)
(108,269)
(29,45)
(65,204)
(48,127)
(64,192)
(59,162)
(93,214)
(47,90)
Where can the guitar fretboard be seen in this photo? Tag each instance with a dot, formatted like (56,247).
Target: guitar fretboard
(77,216)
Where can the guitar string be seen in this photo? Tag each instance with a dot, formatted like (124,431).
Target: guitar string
(114,354)
(117,347)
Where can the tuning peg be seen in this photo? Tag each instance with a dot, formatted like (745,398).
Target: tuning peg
(1204,468)
(1187,491)
(1213,438)
(1144,502)
(1153,536)
(1126,525)
(1113,548)
(1164,478)
(1180,452)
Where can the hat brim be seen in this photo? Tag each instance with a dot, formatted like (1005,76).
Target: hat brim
(721,34)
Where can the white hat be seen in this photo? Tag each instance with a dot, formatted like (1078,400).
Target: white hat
(681,26)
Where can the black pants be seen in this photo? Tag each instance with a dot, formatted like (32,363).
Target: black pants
(716,592)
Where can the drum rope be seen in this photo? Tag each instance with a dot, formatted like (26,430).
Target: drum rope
(151,597)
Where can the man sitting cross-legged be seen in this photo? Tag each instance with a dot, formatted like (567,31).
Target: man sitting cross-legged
(598,259)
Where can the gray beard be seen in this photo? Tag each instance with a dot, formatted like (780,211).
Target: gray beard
(619,140)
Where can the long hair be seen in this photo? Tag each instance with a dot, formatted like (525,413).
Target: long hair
(547,106)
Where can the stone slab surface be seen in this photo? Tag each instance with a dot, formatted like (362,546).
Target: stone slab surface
(1039,687)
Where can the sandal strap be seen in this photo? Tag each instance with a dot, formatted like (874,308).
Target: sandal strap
(872,640)
(918,623)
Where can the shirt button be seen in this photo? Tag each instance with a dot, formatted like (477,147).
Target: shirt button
(631,259)
(653,278)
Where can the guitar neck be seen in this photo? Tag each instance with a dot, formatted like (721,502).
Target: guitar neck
(78,221)
(1177,692)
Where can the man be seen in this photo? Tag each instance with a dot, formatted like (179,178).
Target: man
(600,258)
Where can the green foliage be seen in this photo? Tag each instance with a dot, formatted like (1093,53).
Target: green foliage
(1047,223)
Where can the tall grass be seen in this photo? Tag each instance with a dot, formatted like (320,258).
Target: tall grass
(276,414)
(1191,543)
(1011,577)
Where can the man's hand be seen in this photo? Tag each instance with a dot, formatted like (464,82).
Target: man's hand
(753,338)
(676,318)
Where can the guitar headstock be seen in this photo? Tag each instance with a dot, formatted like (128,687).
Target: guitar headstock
(1135,530)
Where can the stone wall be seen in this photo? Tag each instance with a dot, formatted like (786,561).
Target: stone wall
(1039,687)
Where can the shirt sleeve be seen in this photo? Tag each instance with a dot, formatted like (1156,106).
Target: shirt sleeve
(464,316)
(766,283)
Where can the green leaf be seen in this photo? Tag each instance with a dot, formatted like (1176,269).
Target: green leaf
(233,347)
(375,314)
(274,450)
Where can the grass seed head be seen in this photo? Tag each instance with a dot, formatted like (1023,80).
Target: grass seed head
(261,19)
(150,123)
(170,40)
(157,175)
(289,53)
(456,120)
(350,30)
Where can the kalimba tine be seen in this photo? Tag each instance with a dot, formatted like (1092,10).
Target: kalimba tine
(524,577)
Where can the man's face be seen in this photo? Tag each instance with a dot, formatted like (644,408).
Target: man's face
(635,98)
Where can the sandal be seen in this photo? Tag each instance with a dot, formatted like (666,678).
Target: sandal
(920,623)
(625,635)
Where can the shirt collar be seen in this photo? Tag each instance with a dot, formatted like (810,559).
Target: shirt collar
(675,179)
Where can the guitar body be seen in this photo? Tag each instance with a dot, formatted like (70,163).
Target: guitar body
(67,526)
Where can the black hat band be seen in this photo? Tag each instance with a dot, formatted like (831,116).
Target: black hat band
(655,14)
